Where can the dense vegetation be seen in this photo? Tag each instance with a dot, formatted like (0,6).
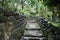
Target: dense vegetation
(54,7)
(50,31)
(48,9)
(12,25)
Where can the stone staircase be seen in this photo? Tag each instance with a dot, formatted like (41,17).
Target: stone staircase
(33,31)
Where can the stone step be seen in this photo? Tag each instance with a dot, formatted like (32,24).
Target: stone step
(33,38)
(33,32)
(32,26)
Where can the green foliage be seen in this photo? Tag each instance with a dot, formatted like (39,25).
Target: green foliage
(50,9)
(54,7)
(51,3)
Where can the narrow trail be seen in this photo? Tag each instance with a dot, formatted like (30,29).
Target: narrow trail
(33,31)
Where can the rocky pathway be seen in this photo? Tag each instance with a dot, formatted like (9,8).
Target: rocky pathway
(33,31)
